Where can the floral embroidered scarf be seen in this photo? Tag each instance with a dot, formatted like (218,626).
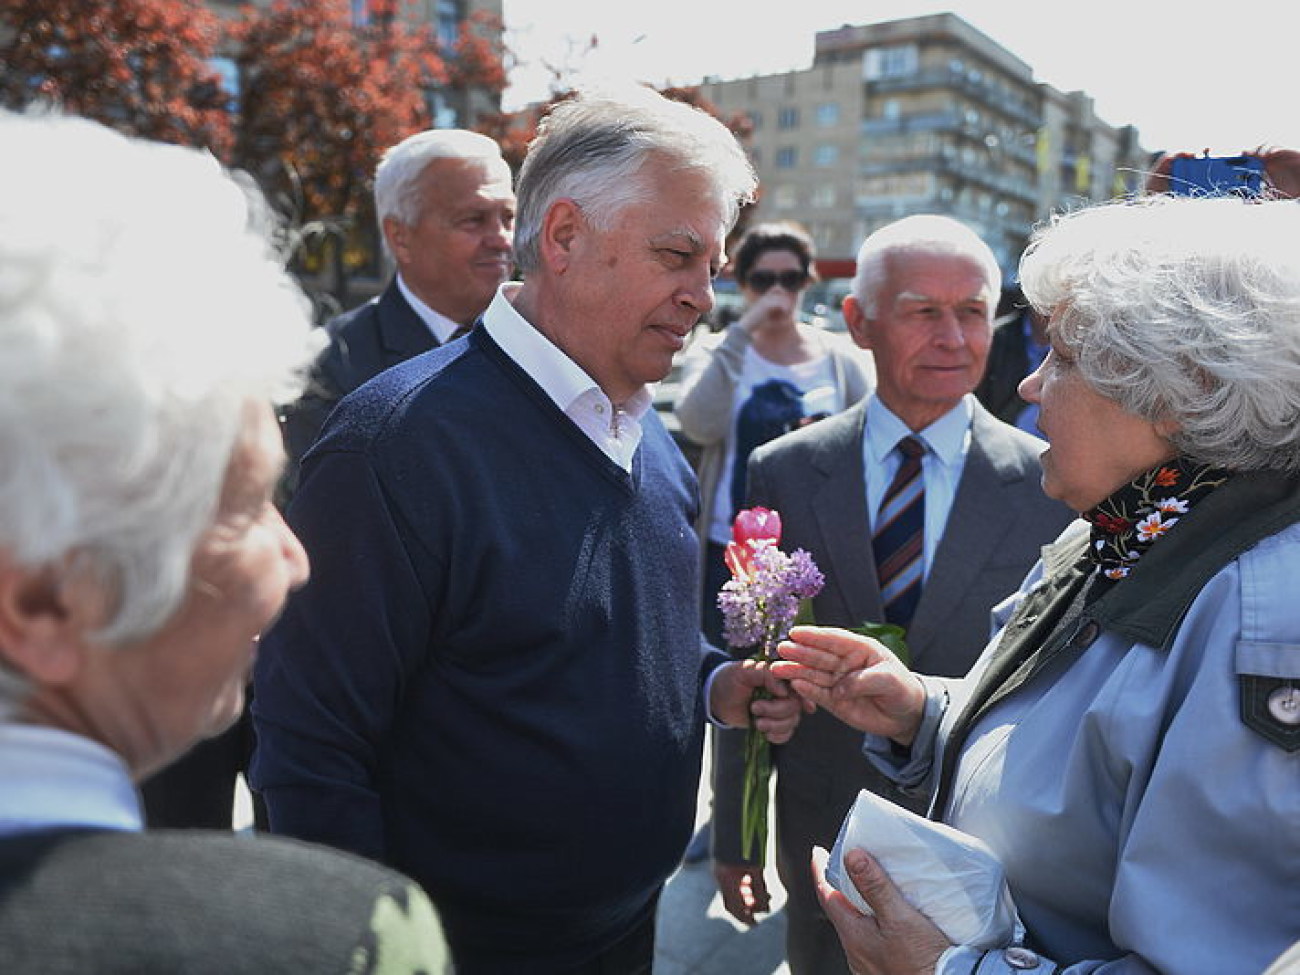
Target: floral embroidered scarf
(1139,514)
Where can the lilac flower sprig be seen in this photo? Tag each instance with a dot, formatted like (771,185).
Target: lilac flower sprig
(759,604)
(759,609)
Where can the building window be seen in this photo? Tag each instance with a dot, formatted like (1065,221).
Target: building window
(756,119)
(826,155)
(901,61)
(785,197)
(787,157)
(828,114)
(823,196)
(787,118)
(448,19)
(228,74)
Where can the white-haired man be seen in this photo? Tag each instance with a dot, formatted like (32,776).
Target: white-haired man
(495,677)
(446,210)
(922,302)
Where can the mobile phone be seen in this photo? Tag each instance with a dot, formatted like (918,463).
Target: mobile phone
(1217,175)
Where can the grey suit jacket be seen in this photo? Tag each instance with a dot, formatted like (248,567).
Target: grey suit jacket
(814,477)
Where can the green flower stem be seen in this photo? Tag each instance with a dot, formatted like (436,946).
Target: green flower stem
(758,772)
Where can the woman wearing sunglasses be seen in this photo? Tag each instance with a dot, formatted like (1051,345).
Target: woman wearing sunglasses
(766,373)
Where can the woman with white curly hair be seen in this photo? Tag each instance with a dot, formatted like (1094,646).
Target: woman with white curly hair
(146,328)
(1128,744)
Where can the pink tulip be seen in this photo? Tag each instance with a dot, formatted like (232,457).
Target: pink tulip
(753,527)
(756,525)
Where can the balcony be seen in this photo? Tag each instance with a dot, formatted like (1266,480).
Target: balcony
(981,91)
(944,165)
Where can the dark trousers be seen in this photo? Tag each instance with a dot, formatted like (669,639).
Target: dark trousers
(633,954)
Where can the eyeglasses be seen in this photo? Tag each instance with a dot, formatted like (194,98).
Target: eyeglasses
(761,281)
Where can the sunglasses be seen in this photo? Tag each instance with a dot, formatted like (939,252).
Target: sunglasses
(761,281)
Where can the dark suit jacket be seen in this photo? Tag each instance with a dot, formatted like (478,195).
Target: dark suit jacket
(363,343)
(814,477)
(1008,363)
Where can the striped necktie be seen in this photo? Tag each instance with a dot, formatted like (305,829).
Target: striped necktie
(898,541)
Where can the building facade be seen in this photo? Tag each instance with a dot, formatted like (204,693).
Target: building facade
(448,110)
(923,115)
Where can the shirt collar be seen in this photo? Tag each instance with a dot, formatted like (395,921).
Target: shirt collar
(563,380)
(945,437)
(439,324)
(56,778)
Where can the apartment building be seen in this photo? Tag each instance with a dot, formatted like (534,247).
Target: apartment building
(925,114)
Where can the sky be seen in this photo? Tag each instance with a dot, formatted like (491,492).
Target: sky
(1189,76)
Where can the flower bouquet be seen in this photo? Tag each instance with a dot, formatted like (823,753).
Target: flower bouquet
(759,604)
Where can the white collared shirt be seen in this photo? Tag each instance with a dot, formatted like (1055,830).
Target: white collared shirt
(439,324)
(947,440)
(55,778)
(616,430)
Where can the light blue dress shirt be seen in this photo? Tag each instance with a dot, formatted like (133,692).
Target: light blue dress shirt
(947,441)
(54,778)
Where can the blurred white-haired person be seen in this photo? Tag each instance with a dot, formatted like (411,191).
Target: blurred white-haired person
(146,328)
(1128,745)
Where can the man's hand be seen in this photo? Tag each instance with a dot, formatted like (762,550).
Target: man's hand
(743,889)
(854,677)
(898,940)
(732,692)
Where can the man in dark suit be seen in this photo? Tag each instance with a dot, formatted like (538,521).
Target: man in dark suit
(922,303)
(446,210)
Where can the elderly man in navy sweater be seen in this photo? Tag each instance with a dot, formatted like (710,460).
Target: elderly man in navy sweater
(494,680)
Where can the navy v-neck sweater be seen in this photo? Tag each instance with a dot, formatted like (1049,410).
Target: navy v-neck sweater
(493,679)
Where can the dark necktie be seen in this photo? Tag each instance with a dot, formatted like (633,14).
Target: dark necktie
(460,331)
(898,541)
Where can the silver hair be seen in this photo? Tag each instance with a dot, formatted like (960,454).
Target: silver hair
(139,317)
(592,149)
(919,234)
(397,177)
(1184,311)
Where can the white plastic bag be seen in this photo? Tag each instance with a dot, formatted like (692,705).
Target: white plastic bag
(950,877)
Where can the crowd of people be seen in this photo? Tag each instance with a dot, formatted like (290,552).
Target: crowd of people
(466,579)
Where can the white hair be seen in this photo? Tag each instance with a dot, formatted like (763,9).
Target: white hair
(142,308)
(922,233)
(1186,310)
(594,147)
(397,177)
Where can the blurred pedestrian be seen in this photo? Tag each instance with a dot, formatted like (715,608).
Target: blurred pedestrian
(140,557)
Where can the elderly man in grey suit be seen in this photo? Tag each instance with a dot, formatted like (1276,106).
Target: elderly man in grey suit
(921,509)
